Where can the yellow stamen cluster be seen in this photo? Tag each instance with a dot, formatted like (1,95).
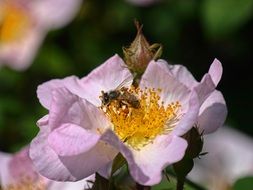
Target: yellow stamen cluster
(14,22)
(28,184)
(139,126)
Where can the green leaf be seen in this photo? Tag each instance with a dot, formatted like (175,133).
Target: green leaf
(223,17)
(118,162)
(245,183)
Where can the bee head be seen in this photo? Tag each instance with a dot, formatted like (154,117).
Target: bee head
(113,94)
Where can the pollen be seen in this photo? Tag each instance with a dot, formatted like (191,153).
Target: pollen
(14,22)
(27,184)
(138,127)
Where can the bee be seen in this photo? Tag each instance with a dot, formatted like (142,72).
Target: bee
(122,95)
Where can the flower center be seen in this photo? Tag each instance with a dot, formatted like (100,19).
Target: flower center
(27,184)
(138,126)
(14,22)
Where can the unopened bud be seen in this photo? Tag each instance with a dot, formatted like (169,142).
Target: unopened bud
(138,55)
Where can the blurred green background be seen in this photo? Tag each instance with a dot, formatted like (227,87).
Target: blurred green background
(193,33)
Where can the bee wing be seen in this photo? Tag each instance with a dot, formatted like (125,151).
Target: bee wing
(125,83)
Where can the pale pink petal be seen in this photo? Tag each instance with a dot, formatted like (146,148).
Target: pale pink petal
(89,87)
(106,171)
(113,140)
(184,76)
(68,168)
(93,118)
(91,161)
(20,166)
(70,139)
(5,177)
(44,91)
(204,88)
(78,185)
(106,77)
(172,90)
(207,84)
(215,71)
(45,159)
(146,165)
(180,72)
(43,121)
(54,13)
(153,158)
(190,117)
(62,103)
(213,113)
(20,54)
(69,108)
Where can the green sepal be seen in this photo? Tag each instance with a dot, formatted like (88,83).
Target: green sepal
(195,143)
(100,183)
(118,162)
(183,167)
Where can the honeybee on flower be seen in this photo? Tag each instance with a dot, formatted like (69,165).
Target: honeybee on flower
(123,95)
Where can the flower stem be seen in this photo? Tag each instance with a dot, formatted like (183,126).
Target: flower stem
(187,181)
(142,187)
(180,184)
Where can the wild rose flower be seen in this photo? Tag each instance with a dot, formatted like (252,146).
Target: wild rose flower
(81,135)
(24,24)
(17,173)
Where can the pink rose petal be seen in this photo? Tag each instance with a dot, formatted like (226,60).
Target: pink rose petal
(45,90)
(70,139)
(172,90)
(215,71)
(106,77)
(189,118)
(153,158)
(180,72)
(213,113)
